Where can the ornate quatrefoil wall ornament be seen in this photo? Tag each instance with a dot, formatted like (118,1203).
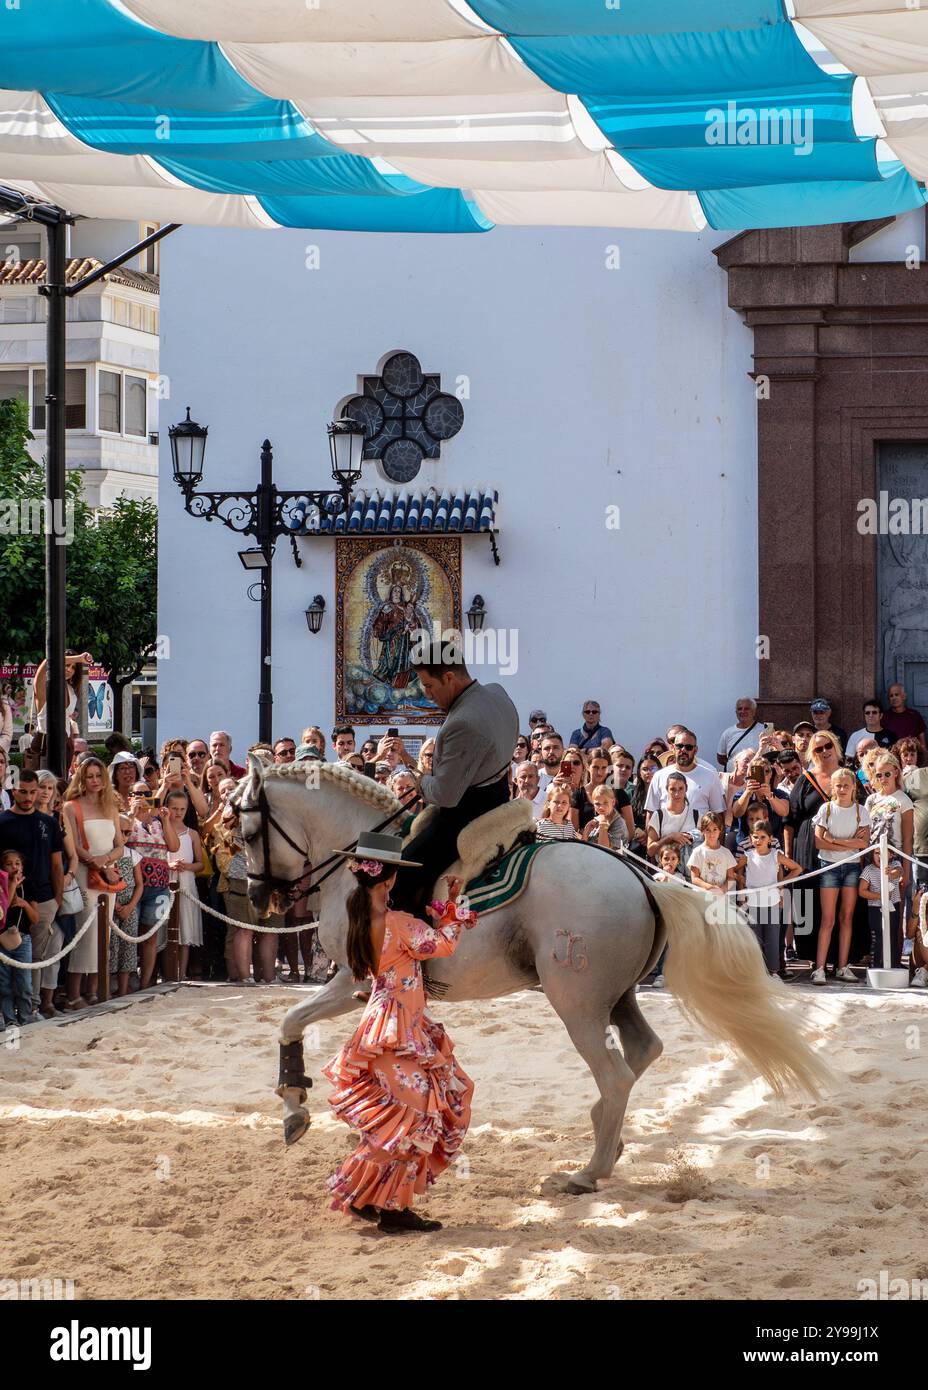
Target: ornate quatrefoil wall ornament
(405,416)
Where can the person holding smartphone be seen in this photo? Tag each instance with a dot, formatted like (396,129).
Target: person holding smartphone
(176,776)
(153,836)
(759,790)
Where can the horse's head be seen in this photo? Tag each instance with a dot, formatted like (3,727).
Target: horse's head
(277,848)
(290,811)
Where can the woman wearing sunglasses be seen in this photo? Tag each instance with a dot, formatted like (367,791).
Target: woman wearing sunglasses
(520,752)
(647,766)
(659,749)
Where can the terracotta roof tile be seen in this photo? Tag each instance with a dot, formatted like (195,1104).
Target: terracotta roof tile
(32,272)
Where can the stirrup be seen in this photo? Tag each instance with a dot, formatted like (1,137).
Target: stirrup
(291,1073)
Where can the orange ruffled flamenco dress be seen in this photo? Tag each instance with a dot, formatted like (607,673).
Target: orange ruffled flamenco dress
(396,1080)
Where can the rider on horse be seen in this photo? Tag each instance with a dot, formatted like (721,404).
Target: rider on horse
(470,765)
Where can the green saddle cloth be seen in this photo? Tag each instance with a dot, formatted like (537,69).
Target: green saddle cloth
(505,880)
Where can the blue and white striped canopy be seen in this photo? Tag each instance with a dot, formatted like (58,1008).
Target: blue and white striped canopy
(449,116)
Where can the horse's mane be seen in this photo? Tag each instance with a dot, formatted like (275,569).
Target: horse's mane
(361,787)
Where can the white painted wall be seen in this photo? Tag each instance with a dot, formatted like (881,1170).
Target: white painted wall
(589,387)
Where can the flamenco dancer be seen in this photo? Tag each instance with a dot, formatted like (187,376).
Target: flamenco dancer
(396,1080)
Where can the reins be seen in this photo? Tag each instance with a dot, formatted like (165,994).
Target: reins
(294,888)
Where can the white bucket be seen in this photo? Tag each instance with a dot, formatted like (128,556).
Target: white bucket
(897,978)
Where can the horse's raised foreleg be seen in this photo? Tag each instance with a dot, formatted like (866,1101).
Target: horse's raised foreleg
(333,999)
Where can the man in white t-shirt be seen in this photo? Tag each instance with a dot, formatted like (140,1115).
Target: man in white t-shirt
(743,734)
(703,788)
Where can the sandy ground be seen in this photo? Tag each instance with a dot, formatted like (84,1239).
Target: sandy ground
(150,1162)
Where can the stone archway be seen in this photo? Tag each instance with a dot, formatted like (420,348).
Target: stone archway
(841,357)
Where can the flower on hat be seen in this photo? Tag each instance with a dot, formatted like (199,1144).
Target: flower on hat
(372,867)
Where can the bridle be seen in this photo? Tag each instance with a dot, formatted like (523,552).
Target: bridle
(293,888)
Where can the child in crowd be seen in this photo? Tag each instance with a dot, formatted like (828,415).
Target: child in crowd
(760,868)
(870,892)
(711,866)
(669,872)
(124,954)
(607,828)
(16,942)
(554,821)
(186,864)
(753,816)
(918,934)
(841,827)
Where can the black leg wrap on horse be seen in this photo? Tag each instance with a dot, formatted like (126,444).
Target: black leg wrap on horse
(291,1073)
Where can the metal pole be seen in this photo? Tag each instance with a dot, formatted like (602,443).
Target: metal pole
(103,950)
(266,541)
(55,465)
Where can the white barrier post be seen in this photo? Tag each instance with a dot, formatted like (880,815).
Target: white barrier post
(884,900)
(889,977)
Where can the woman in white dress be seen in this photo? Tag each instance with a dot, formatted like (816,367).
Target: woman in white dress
(92,815)
(186,864)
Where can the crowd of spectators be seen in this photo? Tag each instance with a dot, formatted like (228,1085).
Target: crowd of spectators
(777,805)
(138,830)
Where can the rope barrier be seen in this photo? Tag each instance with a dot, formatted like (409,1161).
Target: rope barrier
(118,931)
(245,926)
(783,883)
(51,960)
(145,936)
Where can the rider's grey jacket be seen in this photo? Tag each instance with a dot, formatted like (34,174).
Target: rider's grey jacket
(474,745)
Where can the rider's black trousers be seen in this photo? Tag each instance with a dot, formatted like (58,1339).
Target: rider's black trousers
(436,847)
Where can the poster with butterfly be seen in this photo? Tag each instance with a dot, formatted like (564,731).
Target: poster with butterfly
(99,703)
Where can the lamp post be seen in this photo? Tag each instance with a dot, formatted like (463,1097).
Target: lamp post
(57,290)
(267,513)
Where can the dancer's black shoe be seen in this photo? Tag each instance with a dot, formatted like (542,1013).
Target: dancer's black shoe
(398,1222)
(367,1213)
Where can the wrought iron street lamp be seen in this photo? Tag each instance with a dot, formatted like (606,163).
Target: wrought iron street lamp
(476,614)
(267,513)
(346,445)
(188,445)
(315,613)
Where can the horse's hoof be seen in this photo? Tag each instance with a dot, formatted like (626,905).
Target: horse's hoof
(295,1126)
(576,1184)
(579,1187)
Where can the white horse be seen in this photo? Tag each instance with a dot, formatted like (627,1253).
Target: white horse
(587,927)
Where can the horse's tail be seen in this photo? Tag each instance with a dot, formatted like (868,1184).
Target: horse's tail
(719,978)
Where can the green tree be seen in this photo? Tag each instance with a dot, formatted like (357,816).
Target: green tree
(112,568)
(113,591)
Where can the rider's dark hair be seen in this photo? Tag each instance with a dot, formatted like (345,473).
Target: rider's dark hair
(360,951)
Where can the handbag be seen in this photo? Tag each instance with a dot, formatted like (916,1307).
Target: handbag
(10,939)
(96,882)
(72,900)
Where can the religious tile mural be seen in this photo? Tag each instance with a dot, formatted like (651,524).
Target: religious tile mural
(385,590)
